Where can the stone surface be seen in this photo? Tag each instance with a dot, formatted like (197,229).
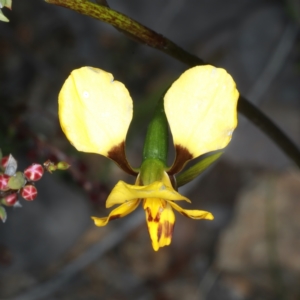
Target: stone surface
(40,232)
(263,236)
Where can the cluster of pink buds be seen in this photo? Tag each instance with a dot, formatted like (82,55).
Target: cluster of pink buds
(14,183)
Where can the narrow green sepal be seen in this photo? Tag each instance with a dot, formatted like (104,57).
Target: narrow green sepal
(191,173)
(3,3)
(156,143)
(3,215)
(6,3)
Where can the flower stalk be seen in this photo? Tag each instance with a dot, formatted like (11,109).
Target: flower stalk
(149,37)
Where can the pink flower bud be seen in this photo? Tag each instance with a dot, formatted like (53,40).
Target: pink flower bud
(10,200)
(50,166)
(34,172)
(4,161)
(3,182)
(62,165)
(29,192)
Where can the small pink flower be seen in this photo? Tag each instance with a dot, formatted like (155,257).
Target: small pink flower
(4,161)
(3,182)
(34,172)
(11,199)
(29,192)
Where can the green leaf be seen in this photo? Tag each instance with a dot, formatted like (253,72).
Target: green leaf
(6,3)
(191,173)
(2,17)
(3,215)
(17,181)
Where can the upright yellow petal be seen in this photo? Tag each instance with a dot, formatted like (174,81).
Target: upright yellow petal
(201,108)
(160,220)
(94,111)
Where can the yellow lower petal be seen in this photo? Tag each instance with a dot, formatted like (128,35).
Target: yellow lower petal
(119,212)
(160,220)
(193,214)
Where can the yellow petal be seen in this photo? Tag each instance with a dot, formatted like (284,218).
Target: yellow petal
(160,220)
(123,192)
(94,110)
(201,108)
(193,214)
(119,212)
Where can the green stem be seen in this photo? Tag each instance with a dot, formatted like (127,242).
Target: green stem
(130,27)
(156,143)
(155,151)
(149,37)
(268,127)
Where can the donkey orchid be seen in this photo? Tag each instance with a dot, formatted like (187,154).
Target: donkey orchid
(95,112)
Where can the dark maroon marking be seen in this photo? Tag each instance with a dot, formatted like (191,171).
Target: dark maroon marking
(114,217)
(184,214)
(159,232)
(157,217)
(150,219)
(168,229)
(173,182)
(117,154)
(182,157)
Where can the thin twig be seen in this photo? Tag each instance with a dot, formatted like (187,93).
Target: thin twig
(149,37)
(92,254)
(207,282)
(274,64)
(267,126)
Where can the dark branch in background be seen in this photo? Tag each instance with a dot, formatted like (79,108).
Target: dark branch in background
(149,37)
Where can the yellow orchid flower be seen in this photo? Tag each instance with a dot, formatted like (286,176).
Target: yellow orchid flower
(200,107)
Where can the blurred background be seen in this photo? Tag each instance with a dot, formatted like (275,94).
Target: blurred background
(50,249)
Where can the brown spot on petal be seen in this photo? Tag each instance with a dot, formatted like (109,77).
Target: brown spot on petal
(150,218)
(182,157)
(168,229)
(184,214)
(117,154)
(159,231)
(173,182)
(114,217)
(157,218)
